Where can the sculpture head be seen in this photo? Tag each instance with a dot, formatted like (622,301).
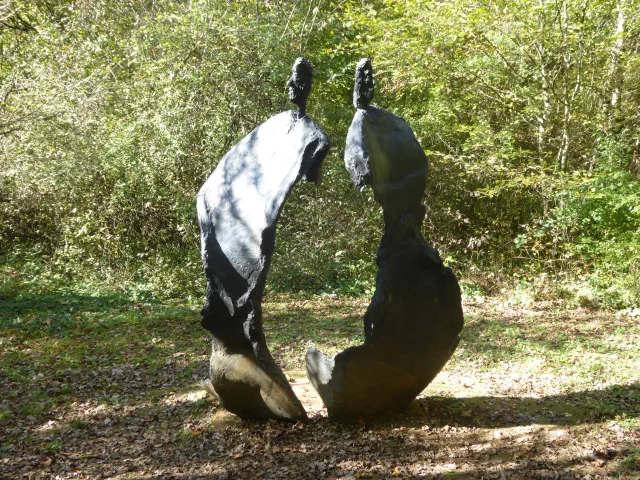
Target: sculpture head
(300,83)
(363,88)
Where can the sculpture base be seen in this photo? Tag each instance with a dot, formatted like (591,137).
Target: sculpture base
(248,388)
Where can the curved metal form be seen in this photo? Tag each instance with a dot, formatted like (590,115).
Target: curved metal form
(413,323)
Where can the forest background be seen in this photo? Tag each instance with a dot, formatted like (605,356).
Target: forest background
(113,114)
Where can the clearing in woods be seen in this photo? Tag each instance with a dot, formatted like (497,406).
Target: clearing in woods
(105,385)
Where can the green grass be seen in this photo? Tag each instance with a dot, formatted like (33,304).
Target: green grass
(53,340)
(631,462)
(80,364)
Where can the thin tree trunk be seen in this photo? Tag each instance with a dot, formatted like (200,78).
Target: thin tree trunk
(543,118)
(563,151)
(615,68)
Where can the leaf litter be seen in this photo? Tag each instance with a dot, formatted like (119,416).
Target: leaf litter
(546,392)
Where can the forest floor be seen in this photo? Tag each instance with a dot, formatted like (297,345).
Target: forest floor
(106,385)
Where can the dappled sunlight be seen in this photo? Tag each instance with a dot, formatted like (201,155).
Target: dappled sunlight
(49,425)
(521,397)
(185,398)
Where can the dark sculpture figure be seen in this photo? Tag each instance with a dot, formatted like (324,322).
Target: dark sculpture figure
(413,323)
(238,208)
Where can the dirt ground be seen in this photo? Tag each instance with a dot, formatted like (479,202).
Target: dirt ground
(550,392)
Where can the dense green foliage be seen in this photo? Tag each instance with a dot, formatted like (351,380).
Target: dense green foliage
(114,113)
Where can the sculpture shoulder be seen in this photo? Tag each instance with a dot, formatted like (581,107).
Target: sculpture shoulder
(269,136)
(241,151)
(380,116)
(314,131)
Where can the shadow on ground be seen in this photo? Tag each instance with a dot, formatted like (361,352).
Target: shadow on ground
(569,409)
(174,435)
(112,393)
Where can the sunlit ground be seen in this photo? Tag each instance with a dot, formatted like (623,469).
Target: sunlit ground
(106,385)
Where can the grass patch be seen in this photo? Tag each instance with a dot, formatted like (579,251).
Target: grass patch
(120,372)
(631,462)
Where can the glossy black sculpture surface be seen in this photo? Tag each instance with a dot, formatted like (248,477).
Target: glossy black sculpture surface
(413,323)
(238,208)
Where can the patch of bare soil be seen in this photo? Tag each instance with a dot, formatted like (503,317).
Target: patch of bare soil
(528,414)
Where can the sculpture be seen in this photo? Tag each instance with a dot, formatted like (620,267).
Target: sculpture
(238,208)
(413,323)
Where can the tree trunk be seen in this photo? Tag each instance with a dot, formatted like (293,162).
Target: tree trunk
(566,58)
(615,68)
(543,118)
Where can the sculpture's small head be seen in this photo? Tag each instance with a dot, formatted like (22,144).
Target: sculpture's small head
(300,83)
(363,88)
